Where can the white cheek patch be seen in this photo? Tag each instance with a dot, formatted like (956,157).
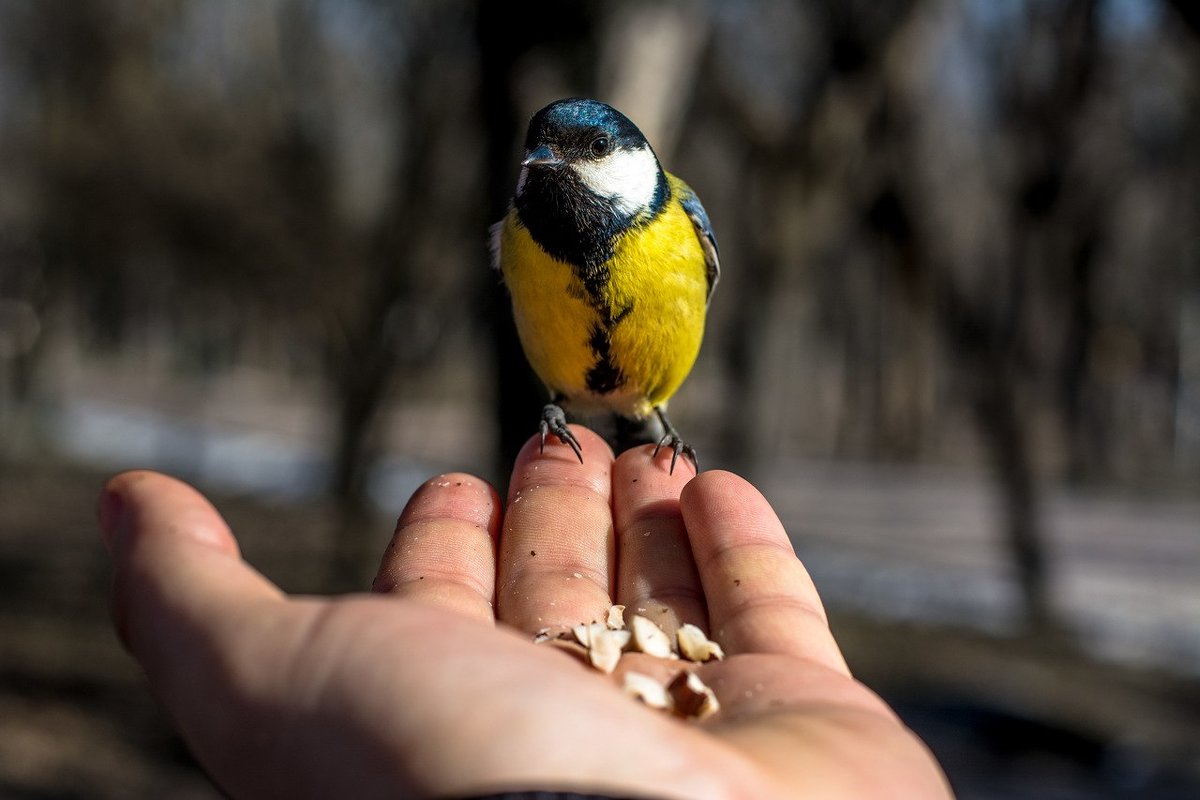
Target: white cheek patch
(521,178)
(628,178)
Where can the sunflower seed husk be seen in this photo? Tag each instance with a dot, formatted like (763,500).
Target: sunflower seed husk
(616,618)
(691,698)
(648,638)
(646,689)
(605,649)
(694,645)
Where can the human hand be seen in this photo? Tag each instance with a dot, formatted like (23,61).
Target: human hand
(415,690)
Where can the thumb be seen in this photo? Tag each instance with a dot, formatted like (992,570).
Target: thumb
(180,585)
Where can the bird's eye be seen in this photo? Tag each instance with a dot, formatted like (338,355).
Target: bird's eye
(600,146)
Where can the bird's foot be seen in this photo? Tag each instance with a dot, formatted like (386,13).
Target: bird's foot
(672,440)
(678,447)
(555,421)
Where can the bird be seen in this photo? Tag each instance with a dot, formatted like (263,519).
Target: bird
(610,262)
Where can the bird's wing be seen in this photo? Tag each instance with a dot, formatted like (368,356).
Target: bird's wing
(708,239)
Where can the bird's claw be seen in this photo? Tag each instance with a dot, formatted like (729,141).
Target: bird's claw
(555,421)
(678,447)
(671,439)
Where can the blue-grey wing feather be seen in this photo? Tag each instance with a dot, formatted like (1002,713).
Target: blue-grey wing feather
(708,239)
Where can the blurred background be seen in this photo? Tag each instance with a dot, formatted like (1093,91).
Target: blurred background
(956,340)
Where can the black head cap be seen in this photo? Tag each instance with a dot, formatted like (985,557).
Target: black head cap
(572,127)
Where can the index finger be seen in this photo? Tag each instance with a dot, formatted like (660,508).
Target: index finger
(760,597)
(444,550)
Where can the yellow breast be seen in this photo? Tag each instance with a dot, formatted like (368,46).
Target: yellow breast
(655,300)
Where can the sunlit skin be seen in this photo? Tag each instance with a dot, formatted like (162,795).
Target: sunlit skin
(431,685)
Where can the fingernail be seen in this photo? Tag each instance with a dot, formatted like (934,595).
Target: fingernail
(110,511)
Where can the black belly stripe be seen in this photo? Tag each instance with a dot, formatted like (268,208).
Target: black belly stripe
(594,281)
(605,376)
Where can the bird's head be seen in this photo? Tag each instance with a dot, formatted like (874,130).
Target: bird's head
(579,146)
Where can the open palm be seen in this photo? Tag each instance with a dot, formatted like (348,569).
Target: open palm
(432,687)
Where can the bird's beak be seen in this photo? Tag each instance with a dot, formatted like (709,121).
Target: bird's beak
(541,157)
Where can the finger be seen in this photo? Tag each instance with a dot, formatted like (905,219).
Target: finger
(444,549)
(760,597)
(186,605)
(556,547)
(656,576)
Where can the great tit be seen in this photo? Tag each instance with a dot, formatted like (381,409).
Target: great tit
(610,262)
